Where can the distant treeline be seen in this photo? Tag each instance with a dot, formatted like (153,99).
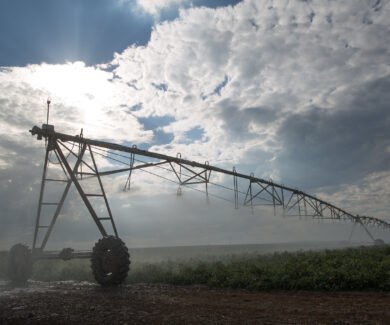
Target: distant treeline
(364,268)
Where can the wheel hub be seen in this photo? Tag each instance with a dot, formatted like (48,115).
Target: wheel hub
(108,261)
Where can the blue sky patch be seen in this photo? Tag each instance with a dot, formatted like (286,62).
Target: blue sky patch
(135,107)
(172,12)
(161,137)
(68,30)
(218,88)
(60,31)
(155,122)
(195,134)
(161,86)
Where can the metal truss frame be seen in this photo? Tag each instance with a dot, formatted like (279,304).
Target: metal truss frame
(259,191)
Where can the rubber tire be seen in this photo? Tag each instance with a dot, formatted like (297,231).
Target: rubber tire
(118,255)
(19,264)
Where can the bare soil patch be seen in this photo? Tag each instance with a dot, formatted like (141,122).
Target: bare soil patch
(86,303)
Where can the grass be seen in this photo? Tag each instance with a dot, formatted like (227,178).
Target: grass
(364,268)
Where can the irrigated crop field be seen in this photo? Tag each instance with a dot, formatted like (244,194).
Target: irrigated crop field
(343,286)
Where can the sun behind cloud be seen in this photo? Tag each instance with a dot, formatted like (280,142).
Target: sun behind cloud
(81,97)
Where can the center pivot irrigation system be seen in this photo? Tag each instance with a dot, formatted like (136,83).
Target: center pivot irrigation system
(74,161)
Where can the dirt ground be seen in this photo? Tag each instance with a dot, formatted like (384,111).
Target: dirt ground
(86,303)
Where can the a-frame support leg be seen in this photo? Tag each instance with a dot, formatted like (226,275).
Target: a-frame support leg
(37,220)
(59,205)
(75,181)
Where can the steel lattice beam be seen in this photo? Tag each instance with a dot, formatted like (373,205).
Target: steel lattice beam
(275,194)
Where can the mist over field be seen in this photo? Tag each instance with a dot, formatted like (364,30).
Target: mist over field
(181,254)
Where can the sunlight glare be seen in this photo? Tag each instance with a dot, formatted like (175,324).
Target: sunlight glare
(73,84)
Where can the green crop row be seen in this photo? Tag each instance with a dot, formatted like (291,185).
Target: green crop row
(364,268)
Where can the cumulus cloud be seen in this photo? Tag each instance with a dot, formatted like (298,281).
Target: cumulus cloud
(296,91)
(279,59)
(154,7)
(350,141)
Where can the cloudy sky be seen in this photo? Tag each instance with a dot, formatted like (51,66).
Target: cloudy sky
(295,91)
